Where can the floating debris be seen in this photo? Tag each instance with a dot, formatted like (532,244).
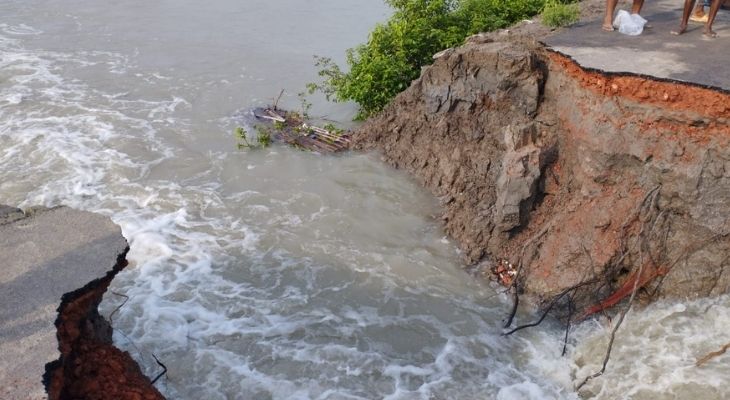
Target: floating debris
(504,272)
(293,129)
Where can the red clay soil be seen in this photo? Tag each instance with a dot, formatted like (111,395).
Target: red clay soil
(622,136)
(675,96)
(90,367)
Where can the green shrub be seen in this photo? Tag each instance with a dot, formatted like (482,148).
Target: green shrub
(397,49)
(263,138)
(333,129)
(556,14)
(279,125)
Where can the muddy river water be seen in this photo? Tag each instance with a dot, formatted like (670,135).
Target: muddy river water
(280,274)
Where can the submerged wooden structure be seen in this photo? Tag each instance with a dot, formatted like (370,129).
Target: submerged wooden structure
(292,129)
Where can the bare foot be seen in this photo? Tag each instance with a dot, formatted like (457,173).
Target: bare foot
(709,33)
(681,30)
(607,24)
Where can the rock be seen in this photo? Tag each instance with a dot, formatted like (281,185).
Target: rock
(518,183)
(517,187)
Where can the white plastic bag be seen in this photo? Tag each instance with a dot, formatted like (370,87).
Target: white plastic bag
(629,24)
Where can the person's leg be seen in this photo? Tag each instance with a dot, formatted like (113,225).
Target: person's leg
(636,7)
(714,7)
(608,19)
(688,6)
(699,11)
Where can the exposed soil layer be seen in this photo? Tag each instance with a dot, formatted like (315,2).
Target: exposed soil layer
(90,367)
(663,94)
(574,177)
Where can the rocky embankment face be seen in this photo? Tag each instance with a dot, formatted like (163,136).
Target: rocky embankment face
(61,351)
(585,183)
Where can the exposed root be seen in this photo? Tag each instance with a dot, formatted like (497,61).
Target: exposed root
(711,355)
(514,286)
(550,306)
(643,214)
(111,322)
(613,336)
(515,303)
(126,299)
(638,282)
(571,309)
(164,369)
(648,216)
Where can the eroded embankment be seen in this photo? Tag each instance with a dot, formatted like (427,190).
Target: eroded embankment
(578,179)
(90,367)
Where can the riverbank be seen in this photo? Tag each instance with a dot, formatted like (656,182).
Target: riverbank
(276,273)
(54,342)
(588,182)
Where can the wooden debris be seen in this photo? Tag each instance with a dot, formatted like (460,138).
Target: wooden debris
(290,128)
(274,116)
(711,355)
(271,118)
